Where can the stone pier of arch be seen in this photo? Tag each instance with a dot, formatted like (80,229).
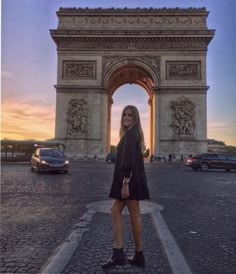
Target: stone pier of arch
(163,50)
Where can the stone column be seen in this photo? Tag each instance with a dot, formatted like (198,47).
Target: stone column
(109,105)
(156,122)
(150,103)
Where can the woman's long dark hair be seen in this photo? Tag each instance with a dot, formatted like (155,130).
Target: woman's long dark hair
(136,122)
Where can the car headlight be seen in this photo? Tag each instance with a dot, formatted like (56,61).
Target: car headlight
(66,162)
(44,162)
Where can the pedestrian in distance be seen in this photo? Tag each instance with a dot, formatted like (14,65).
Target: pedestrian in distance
(129,186)
(151,158)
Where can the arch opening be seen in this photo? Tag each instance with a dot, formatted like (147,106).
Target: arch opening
(130,74)
(130,95)
(140,80)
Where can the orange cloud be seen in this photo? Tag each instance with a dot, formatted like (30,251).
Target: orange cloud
(24,120)
(27,120)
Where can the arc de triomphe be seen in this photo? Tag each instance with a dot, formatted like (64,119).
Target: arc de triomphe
(162,50)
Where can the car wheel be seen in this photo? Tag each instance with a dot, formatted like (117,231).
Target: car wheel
(66,171)
(228,169)
(195,168)
(32,169)
(204,166)
(38,169)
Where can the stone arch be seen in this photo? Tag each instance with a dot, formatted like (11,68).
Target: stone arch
(163,50)
(151,71)
(130,74)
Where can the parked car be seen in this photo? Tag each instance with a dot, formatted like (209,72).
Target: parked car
(207,161)
(49,159)
(111,157)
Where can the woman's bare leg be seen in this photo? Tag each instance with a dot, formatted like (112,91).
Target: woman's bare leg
(118,257)
(136,224)
(117,221)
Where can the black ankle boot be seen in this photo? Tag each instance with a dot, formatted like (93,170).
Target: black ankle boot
(138,259)
(117,258)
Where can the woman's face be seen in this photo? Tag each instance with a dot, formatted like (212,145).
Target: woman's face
(127,118)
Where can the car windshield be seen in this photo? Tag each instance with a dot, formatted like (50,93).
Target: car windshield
(51,153)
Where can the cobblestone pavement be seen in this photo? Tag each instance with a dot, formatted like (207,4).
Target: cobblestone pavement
(38,211)
(96,248)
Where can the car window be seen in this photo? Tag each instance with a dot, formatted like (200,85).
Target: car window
(222,157)
(210,156)
(233,158)
(51,153)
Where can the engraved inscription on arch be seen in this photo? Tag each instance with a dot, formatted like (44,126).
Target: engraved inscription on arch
(79,70)
(183,117)
(183,70)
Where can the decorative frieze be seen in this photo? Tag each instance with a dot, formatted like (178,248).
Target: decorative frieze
(131,44)
(79,70)
(183,117)
(187,70)
(127,18)
(77,118)
(124,22)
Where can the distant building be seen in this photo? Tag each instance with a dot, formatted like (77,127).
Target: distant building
(13,150)
(216,146)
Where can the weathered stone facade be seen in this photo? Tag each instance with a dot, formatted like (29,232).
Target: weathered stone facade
(163,50)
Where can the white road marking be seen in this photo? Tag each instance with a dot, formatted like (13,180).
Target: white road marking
(61,256)
(176,259)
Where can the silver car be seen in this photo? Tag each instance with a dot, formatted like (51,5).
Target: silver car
(49,159)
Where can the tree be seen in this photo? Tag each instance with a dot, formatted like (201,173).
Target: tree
(113,148)
(146,153)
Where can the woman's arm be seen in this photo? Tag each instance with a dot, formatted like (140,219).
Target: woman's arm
(129,153)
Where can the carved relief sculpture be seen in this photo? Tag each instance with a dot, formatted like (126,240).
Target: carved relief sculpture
(79,70)
(77,118)
(183,117)
(183,70)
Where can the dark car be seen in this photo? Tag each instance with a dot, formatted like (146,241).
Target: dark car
(49,159)
(207,161)
(111,157)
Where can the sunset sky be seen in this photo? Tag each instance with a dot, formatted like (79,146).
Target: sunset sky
(29,65)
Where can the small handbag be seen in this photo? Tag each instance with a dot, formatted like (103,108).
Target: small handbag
(125,189)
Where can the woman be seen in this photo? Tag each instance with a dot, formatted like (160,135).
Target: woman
(129,186)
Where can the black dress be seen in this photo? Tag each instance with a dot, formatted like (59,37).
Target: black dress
(129,161)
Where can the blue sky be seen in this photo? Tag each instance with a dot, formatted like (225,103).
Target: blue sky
(29,65)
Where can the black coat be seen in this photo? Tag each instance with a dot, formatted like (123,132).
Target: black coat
(129,161)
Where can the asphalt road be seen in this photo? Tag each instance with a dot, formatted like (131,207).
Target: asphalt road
(38,212)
